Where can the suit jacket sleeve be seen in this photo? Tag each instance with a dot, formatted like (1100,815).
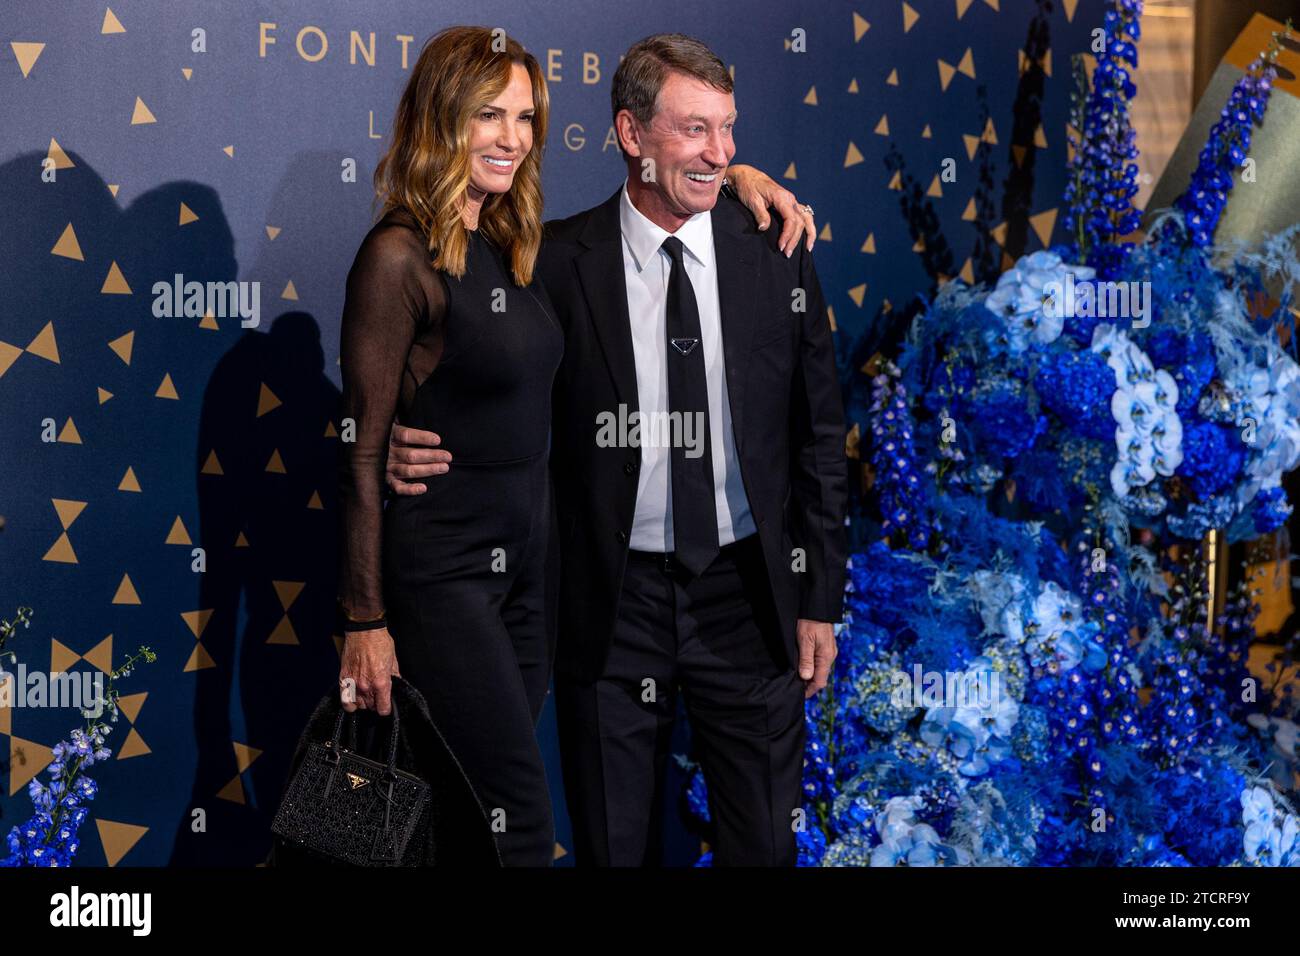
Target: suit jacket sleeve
(818,469)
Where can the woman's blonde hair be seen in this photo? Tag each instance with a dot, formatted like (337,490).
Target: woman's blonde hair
(426,170)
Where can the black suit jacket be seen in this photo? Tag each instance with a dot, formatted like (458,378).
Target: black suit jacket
(786,412)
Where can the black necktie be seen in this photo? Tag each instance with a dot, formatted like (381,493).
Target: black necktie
(695,515)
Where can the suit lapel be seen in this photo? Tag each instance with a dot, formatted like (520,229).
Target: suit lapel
(736,261)
(600,270)
(604,286)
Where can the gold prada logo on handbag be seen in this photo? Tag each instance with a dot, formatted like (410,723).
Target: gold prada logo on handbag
(357,780)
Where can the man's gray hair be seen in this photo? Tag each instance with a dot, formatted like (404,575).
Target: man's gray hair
(646,66)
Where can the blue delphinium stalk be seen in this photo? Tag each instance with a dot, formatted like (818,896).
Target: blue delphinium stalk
(1116,705)
(1235,632)
(1102,177)
(899,483)
(1188,707)
(49,837)
(1225,150)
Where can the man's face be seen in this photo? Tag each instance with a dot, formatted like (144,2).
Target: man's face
(689,141)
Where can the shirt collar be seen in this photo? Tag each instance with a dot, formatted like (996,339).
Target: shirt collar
(644,237)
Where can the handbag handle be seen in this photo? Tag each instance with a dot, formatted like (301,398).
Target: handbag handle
(332,756)
(383,848)
(392,737)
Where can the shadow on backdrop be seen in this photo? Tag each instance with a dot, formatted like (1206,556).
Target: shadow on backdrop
(265,458)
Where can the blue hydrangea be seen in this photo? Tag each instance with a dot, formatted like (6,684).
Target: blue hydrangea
(1076,387)
(1003,424)
(1212,457)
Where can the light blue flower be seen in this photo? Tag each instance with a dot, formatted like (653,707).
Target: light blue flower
(1134,410)
(1132,472)
(1167,437)
(1000,599)
(1130,364)
(1256,806)
(1268,404)
(902,839)
(1290,841)
(1062,638)
(993,722)
(1056,609)
(1269,845)
(976,728)
(1029,298)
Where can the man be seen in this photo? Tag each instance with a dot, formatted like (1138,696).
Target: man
(698,460)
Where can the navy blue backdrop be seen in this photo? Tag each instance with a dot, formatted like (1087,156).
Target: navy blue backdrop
(211,139)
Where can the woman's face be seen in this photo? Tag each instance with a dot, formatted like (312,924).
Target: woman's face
(500,136)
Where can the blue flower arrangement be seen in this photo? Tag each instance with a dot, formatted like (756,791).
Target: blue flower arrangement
(1028,673)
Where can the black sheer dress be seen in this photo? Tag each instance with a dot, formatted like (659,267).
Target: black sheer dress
(464,573)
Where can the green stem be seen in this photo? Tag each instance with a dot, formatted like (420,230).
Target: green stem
(93,727)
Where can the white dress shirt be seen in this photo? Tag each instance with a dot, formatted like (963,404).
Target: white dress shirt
(646,269)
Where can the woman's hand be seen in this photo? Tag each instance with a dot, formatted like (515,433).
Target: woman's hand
(367,671)
(757,190)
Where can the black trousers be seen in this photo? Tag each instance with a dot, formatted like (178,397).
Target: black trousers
(478,643)
(714,639)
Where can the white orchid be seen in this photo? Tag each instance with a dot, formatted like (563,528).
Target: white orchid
(1148,432)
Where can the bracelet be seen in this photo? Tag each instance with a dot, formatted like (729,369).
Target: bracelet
(350,625)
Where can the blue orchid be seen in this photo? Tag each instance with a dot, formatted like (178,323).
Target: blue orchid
(1029,298)
(902,839)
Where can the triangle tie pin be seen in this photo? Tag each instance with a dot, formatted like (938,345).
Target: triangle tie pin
(685,346)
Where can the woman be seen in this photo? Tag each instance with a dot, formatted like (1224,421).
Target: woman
(444,323)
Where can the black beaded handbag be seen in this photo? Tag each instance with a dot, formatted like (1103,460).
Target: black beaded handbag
(346,808)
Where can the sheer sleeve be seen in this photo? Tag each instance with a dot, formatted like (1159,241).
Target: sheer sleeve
(393,298)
